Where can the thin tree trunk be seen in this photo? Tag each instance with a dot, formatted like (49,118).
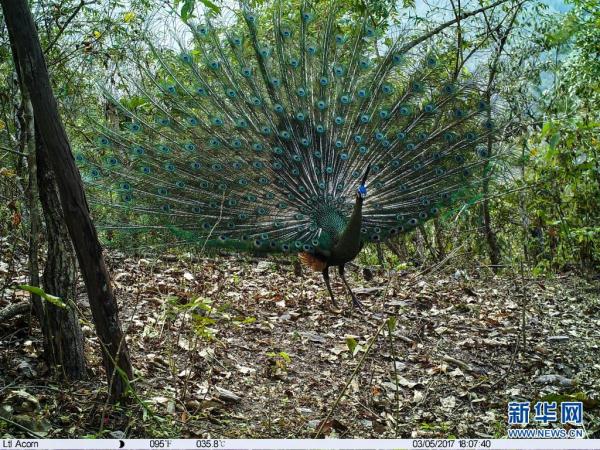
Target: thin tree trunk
(60,276)
(439,239)
(490,235)
(23,35)
(395,250)
(402,246)
(379,251)
(419,246)
(430,248)
(523,208)
(27,146)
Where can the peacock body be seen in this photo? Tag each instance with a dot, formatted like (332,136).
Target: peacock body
(263,136)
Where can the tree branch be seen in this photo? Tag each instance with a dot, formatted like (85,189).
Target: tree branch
(64,27)
(10,150)
(445,25)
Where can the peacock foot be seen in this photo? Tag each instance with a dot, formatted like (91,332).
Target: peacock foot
(357,303)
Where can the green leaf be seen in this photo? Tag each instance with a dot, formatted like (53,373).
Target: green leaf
(351,343)
(546,129)
(211,5)
(285,357)
(391,324)
(187,9)
(554,140)
(56,301)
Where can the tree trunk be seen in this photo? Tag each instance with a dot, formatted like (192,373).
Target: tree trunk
(419,246)
(27,146)
(490,235)
(392,247)
(439,239)
(402,246)
(60,276)
(380,258)
(430,248)
(23,35)
(63,340)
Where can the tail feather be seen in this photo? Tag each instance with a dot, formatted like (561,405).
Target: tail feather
(261,127)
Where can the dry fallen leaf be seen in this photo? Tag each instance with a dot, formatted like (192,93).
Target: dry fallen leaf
(449,402)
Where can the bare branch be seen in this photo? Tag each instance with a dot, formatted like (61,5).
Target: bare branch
(445,25)
(64,27)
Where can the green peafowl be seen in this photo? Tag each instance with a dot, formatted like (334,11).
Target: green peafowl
(264,135)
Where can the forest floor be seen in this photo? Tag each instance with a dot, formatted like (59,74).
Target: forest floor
(239,348)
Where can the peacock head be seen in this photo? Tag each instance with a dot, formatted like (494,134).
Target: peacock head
(361,192)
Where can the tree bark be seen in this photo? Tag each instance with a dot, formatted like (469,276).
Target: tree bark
(439,239)
(27,146)
(430,248)
(379,250)
(392,247)
(60,276)
(23,35)
(490,235)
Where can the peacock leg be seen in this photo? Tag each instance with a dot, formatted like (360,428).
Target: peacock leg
(326,278)
(355,301)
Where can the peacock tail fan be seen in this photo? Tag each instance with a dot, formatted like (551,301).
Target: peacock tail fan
(255,136)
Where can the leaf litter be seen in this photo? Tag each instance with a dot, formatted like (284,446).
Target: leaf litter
(240,348)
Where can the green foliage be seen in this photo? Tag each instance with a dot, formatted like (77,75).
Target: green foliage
(203,315)
(283,355)
(187,7)
(352,345)
(564,156)
(279,363)
(56,301)
(391,324)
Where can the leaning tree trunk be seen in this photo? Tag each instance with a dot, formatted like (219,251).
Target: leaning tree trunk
(60,277)
(23,35)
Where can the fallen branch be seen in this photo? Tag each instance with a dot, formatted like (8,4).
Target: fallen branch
(31,433)
(13,310)
(456,362)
